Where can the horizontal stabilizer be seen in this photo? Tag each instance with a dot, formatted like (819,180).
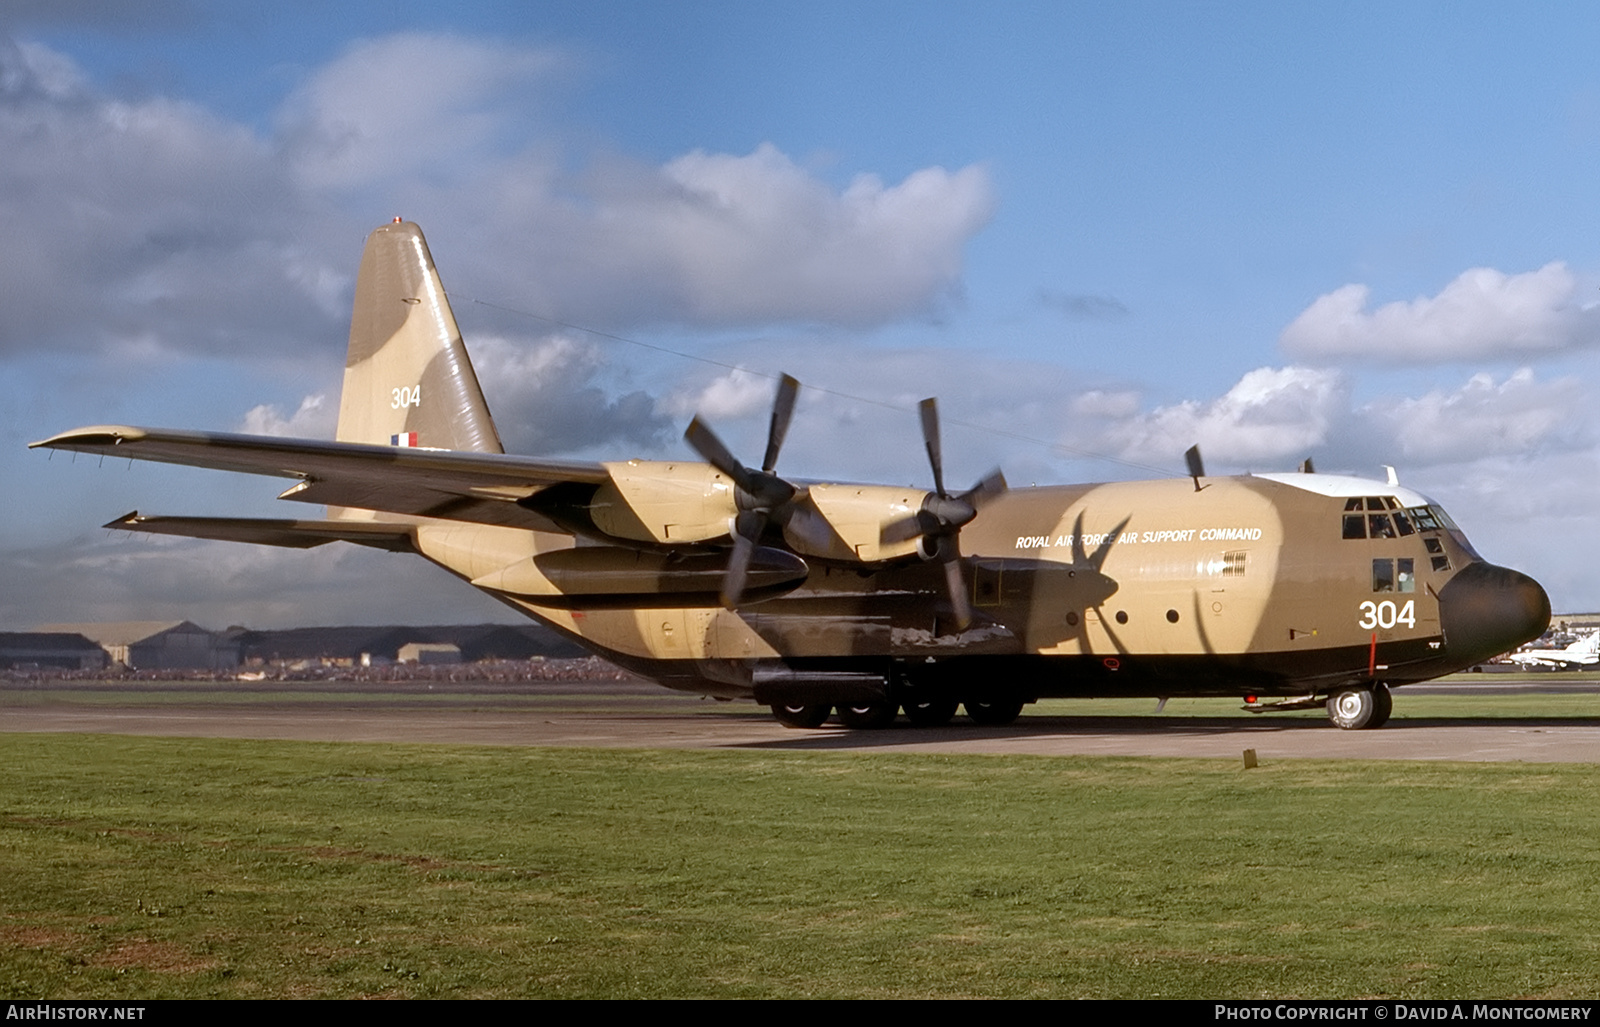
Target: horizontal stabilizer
(274,532)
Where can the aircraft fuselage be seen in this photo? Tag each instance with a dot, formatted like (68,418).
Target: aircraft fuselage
(1254,585)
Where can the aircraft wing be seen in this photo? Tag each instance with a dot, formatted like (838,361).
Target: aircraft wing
(447,484)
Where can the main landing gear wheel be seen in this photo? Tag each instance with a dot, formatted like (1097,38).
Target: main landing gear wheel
(931,712)
(1358,708)
(994,712)
(801,716)
(868,716)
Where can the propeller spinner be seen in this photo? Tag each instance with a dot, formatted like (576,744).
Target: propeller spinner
(759,495)
(942,516)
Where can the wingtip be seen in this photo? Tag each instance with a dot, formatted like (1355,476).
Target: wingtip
(92,435)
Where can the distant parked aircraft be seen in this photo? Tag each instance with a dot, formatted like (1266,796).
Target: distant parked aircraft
(1585,652)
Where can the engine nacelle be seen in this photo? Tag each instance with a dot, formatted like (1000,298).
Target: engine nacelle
(846,522)
(664,502)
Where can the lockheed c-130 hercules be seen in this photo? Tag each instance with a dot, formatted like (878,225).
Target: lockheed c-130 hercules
(730,581)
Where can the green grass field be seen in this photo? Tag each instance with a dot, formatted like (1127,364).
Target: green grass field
(194,868)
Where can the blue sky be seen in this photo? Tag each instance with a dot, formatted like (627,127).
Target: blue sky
(1361,234)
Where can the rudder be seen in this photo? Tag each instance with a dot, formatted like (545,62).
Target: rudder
(407,378)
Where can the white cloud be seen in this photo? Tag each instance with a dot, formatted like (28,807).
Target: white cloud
(158,221)
(756,238)
(315,418)
(411,104)
(442,126)
(1484,313)
(1483,419)
(1274,417)
(148,220)
(713,240)
(1107,405)
(1271,415)
(739,393)
(557,395)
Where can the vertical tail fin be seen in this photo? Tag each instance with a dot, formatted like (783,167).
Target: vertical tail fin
(407,379)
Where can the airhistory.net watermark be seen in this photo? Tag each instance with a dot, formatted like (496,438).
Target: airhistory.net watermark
(71,1011)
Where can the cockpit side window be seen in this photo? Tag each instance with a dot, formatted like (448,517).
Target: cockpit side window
(1425,519)
(1383,575)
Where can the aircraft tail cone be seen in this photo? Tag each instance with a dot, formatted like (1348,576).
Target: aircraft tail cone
(1487,610)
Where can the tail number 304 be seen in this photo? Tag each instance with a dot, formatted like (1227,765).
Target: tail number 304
(409,396)
(1386,614)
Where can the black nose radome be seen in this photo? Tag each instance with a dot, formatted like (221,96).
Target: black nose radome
(1487,610)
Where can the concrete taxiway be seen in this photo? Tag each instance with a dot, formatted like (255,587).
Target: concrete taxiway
(640,715)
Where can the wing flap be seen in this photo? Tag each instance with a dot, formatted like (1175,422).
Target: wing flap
(293,534)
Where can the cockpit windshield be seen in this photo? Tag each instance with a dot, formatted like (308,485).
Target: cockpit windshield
(1384,517)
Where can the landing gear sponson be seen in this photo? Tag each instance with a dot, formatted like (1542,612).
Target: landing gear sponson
(1351,709)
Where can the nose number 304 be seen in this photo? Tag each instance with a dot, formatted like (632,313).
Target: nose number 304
(1386,614)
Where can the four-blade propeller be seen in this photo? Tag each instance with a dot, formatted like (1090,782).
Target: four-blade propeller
(760,495)
(763,498)
(938,524)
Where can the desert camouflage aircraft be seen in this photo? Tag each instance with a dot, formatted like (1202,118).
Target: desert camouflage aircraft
(731,581)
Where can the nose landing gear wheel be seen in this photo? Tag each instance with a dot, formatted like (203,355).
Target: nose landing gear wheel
(801,716)
(1360,708)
